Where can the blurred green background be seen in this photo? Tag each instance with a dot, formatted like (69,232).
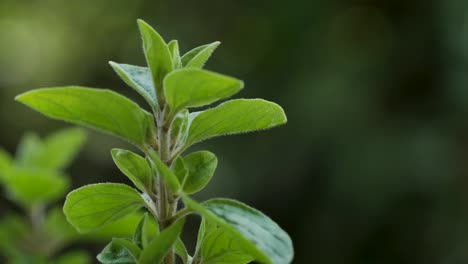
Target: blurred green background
(373,164)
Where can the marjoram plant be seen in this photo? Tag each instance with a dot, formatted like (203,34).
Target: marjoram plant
(230,231)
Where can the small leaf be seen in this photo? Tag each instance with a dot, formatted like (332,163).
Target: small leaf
(119,251)
(134,167)
(179,169)
(98,108)
(160,246)
(181,251)
(93,206)
(194,87)
(201,166)
(139,78)
(61,148)
(179,126)
(197,57)
(30,186)
(74,257)
(173,46)
(168,177)
(256,233)
(157,54)
(215,245)
(5,161)
(141,236)
(29,149)
(233,117)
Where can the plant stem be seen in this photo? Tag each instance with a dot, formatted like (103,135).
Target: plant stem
(167,204)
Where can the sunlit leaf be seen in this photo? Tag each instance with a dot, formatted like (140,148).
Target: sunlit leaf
(198,56)
(157,54)
(92,206)
(134,167)
(97,108)
(233,117)
(119,251)
(194,87)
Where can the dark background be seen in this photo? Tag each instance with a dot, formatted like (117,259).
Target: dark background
(372,165)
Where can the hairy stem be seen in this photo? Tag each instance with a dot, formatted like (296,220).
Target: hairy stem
(167,204)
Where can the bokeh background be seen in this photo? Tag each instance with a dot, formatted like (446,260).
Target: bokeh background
(372,166)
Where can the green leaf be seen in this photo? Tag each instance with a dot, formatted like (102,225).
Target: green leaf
(179,126)
(139,78)
(74,257)
(98,108)
(194,87)
(201,166)
(29,149)
(168,177)
(160,246)
(256,233)
(134,167)
(93,206)
(215,245)
(61,148)
(141,236)
(5,161)
(173,46)
(179,169)
(181,251)
(157,54)
(199,55)
(30,186)
(233,117)
(119,251)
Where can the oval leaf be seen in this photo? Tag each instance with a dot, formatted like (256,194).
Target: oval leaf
(139,78)
(134,167)
(256,233)
(98,108)
(157,54)
(201,167)
(194,87)
(215,245)
(233,117)
(198,56)
(93,206)
(30,186)
(160,246)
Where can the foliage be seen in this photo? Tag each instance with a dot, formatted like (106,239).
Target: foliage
(35,180)
(171,84)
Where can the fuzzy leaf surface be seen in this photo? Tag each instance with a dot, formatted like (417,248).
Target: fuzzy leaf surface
(256,233)
(97,108)
(201,166)
(233,117)
(198,56)
(134,167)
(194,87)
(139,78)
(168,176)
(93,206)
(119,251)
